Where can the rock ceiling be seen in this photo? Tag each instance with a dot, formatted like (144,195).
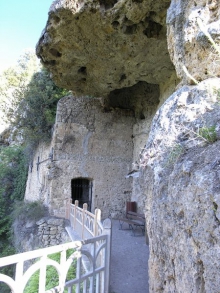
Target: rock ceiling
(95,47)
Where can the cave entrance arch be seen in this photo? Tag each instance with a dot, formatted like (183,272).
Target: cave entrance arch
(81,190)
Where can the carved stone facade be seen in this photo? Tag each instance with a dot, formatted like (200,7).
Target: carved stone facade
(98,140)
(87,143)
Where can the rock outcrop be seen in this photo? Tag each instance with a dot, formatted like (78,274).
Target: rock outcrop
(180,181)
(94,47)
(187,43)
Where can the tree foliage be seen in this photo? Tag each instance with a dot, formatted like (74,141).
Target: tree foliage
(36,112)
(13,175)
(29,98)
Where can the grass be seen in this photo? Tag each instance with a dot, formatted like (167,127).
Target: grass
(175,152)
(208,133)
(52,278)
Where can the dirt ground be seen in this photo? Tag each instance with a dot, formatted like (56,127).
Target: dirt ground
(129,261)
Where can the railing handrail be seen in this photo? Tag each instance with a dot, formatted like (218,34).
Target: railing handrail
(24,256)
(81,219)
(100,243)
(22,276)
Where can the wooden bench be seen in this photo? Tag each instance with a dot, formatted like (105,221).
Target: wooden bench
(134,221)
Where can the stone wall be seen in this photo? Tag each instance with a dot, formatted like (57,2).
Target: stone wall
(51,231)
(37,185)
(89,141)
(30,234)
(96,134)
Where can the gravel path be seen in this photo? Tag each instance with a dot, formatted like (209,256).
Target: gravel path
(129,261)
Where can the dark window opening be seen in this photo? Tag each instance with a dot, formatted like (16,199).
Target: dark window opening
(81,190)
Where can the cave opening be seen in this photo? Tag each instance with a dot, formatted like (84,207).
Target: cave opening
(138,98)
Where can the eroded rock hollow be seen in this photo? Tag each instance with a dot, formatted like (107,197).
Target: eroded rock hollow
(94,47)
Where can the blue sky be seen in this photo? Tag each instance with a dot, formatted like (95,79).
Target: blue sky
(21,24)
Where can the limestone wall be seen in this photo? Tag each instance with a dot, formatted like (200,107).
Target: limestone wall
(149,102)
(88,142)
(37,185)
(180,180)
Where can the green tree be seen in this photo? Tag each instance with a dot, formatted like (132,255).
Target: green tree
(36,112)
(29,98)
(13,175)
(14,80)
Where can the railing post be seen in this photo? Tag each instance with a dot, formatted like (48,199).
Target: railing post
(96,219)
(62,276)
(42,277)
(107,230)
(68,203)
(85,206)
(19,275)
(75,209)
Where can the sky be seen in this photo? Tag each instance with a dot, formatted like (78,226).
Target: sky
(21,24)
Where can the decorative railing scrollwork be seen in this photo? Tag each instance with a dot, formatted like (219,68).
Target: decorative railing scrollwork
(94,279)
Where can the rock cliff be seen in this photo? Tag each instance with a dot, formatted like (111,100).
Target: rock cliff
(180,182)
(146,56)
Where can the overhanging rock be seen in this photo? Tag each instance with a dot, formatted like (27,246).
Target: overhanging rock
(95,47)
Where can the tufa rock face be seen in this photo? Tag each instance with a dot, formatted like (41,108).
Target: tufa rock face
(180,181)
(187,44)
(94,47)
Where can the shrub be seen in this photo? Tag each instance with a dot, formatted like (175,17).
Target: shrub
(29,210)
(28,98)
(13,175)
(174,153)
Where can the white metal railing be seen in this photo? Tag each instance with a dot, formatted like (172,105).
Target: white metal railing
(89,225)
(93,279)
(84,222)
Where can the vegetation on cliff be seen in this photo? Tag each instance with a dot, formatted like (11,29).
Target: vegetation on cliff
(28,100)
(13,174)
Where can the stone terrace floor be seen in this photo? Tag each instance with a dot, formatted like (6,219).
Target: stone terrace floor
(129,261)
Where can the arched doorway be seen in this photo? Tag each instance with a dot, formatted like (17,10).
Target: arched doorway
(81,190)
